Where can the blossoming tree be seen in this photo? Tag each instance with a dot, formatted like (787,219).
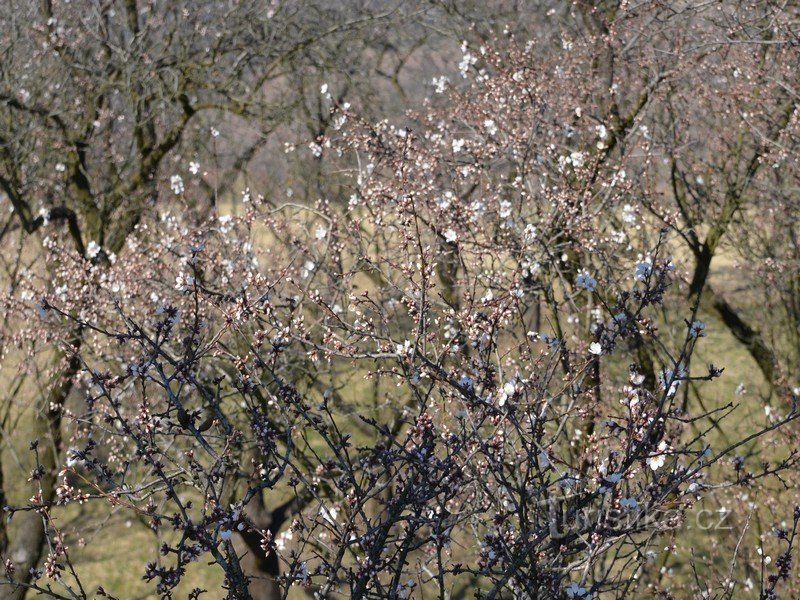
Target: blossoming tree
(472,368)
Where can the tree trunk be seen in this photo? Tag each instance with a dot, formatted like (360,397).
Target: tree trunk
(262,568)
(26,546)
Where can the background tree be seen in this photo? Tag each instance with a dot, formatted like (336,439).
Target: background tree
(453,347)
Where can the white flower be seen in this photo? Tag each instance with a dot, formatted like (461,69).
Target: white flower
(595,348)
(329,514)
(443,202)
(669,380)
(628,214)
(61,167)
(194,167)
(323,89)
(490,126)
(73,457)
(614,478)
(320,233)
(618,319)
(226,223)
(440,84)
(509,389)
(316,149)
(576,158)
(602,132)
(308,268)
(586,281)
(575,591)
(657,461)
(642,271)
(225,534)
(92,249)
(184,282)
(176,183)
(43,213)
(467,60)
(466,382)
(214,132)
(450,236)
(478,209)
(697,329)
(458,145)
(530,232)
(629,503)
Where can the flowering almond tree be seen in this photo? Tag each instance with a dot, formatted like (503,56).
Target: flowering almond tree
(467,372)
(108,110)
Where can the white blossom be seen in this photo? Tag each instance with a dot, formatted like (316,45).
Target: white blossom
(329,513)
(573,590)
(629,214)
(440,84)
(657,461)
(176,184)
(669,380)
(184,282)
(308,268)
(697,329)
(226,223)
(586,281)
(467,60)
(92,249)
(642,271)
(509,389)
